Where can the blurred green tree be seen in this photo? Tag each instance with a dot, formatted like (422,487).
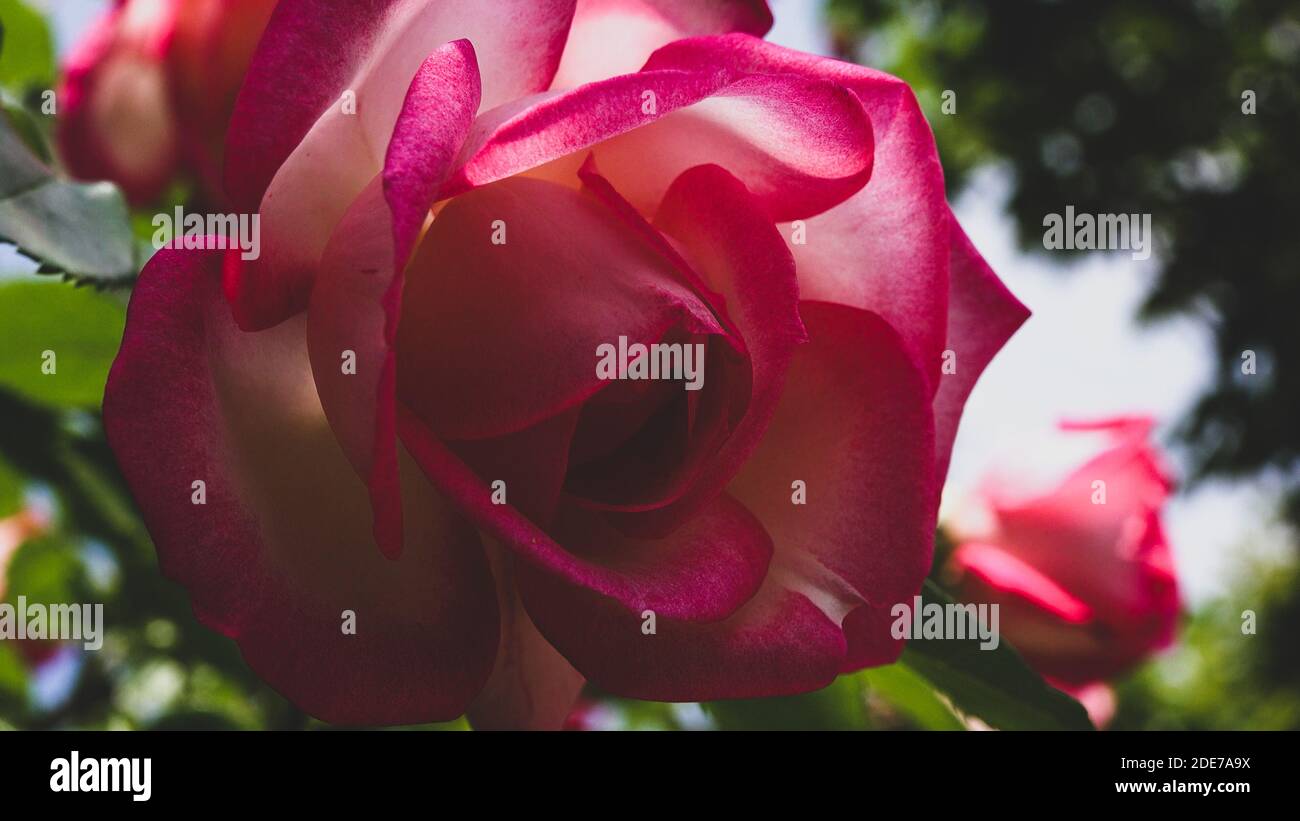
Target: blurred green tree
(1227,672)
(1183,109)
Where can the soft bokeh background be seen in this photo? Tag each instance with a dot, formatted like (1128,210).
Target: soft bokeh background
(1044,118)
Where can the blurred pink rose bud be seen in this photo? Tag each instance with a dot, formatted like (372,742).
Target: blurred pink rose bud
(590,715)
(1082,569)
(15,531)
(148,92)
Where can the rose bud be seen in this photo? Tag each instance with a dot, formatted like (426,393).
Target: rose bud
(1081,569)
(31,522)
(147,93)
(419,494)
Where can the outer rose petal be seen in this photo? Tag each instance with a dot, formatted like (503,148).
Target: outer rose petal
(357,292)
(1071,651)
(612,37)
(801,145)
(1003,571)
(982,316)
(779,643)
(854,425)
(532,687)
(868,630)
(215,41)
(290,121)
(117,119)
(293,81)
(207,61)
(281,548)
(886,249)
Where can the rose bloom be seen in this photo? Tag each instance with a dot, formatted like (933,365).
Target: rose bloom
(1081,569)
(149,91)
(418,499)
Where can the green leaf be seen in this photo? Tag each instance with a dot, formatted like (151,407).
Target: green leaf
(22,169)
(13,680)
(911,696)
(11,489)
(80,229)
(21,120)
(26,48)
(65,451)
(837,707)
(80,327)
(995,686)
(46,569)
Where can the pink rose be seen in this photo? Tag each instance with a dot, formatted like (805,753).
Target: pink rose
(1081,570)
(419,496)
(150,88)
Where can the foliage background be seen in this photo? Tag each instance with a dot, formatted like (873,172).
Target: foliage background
(1111,106)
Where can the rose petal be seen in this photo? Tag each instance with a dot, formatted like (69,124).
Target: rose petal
(886,249)
(297,149)
(1001,570)
(357,292)
(209,55)
(706,571)
(531,463)
(779,643)
(374,50)
(532,687)
(281,549)
(611,37)
(497,337)
(434,121)
(801,145)
(1074,651)
(982,316)
(868,629)
(627,478)
(854,425)
(724,230)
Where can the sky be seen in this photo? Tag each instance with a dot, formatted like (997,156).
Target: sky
(1081,355)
